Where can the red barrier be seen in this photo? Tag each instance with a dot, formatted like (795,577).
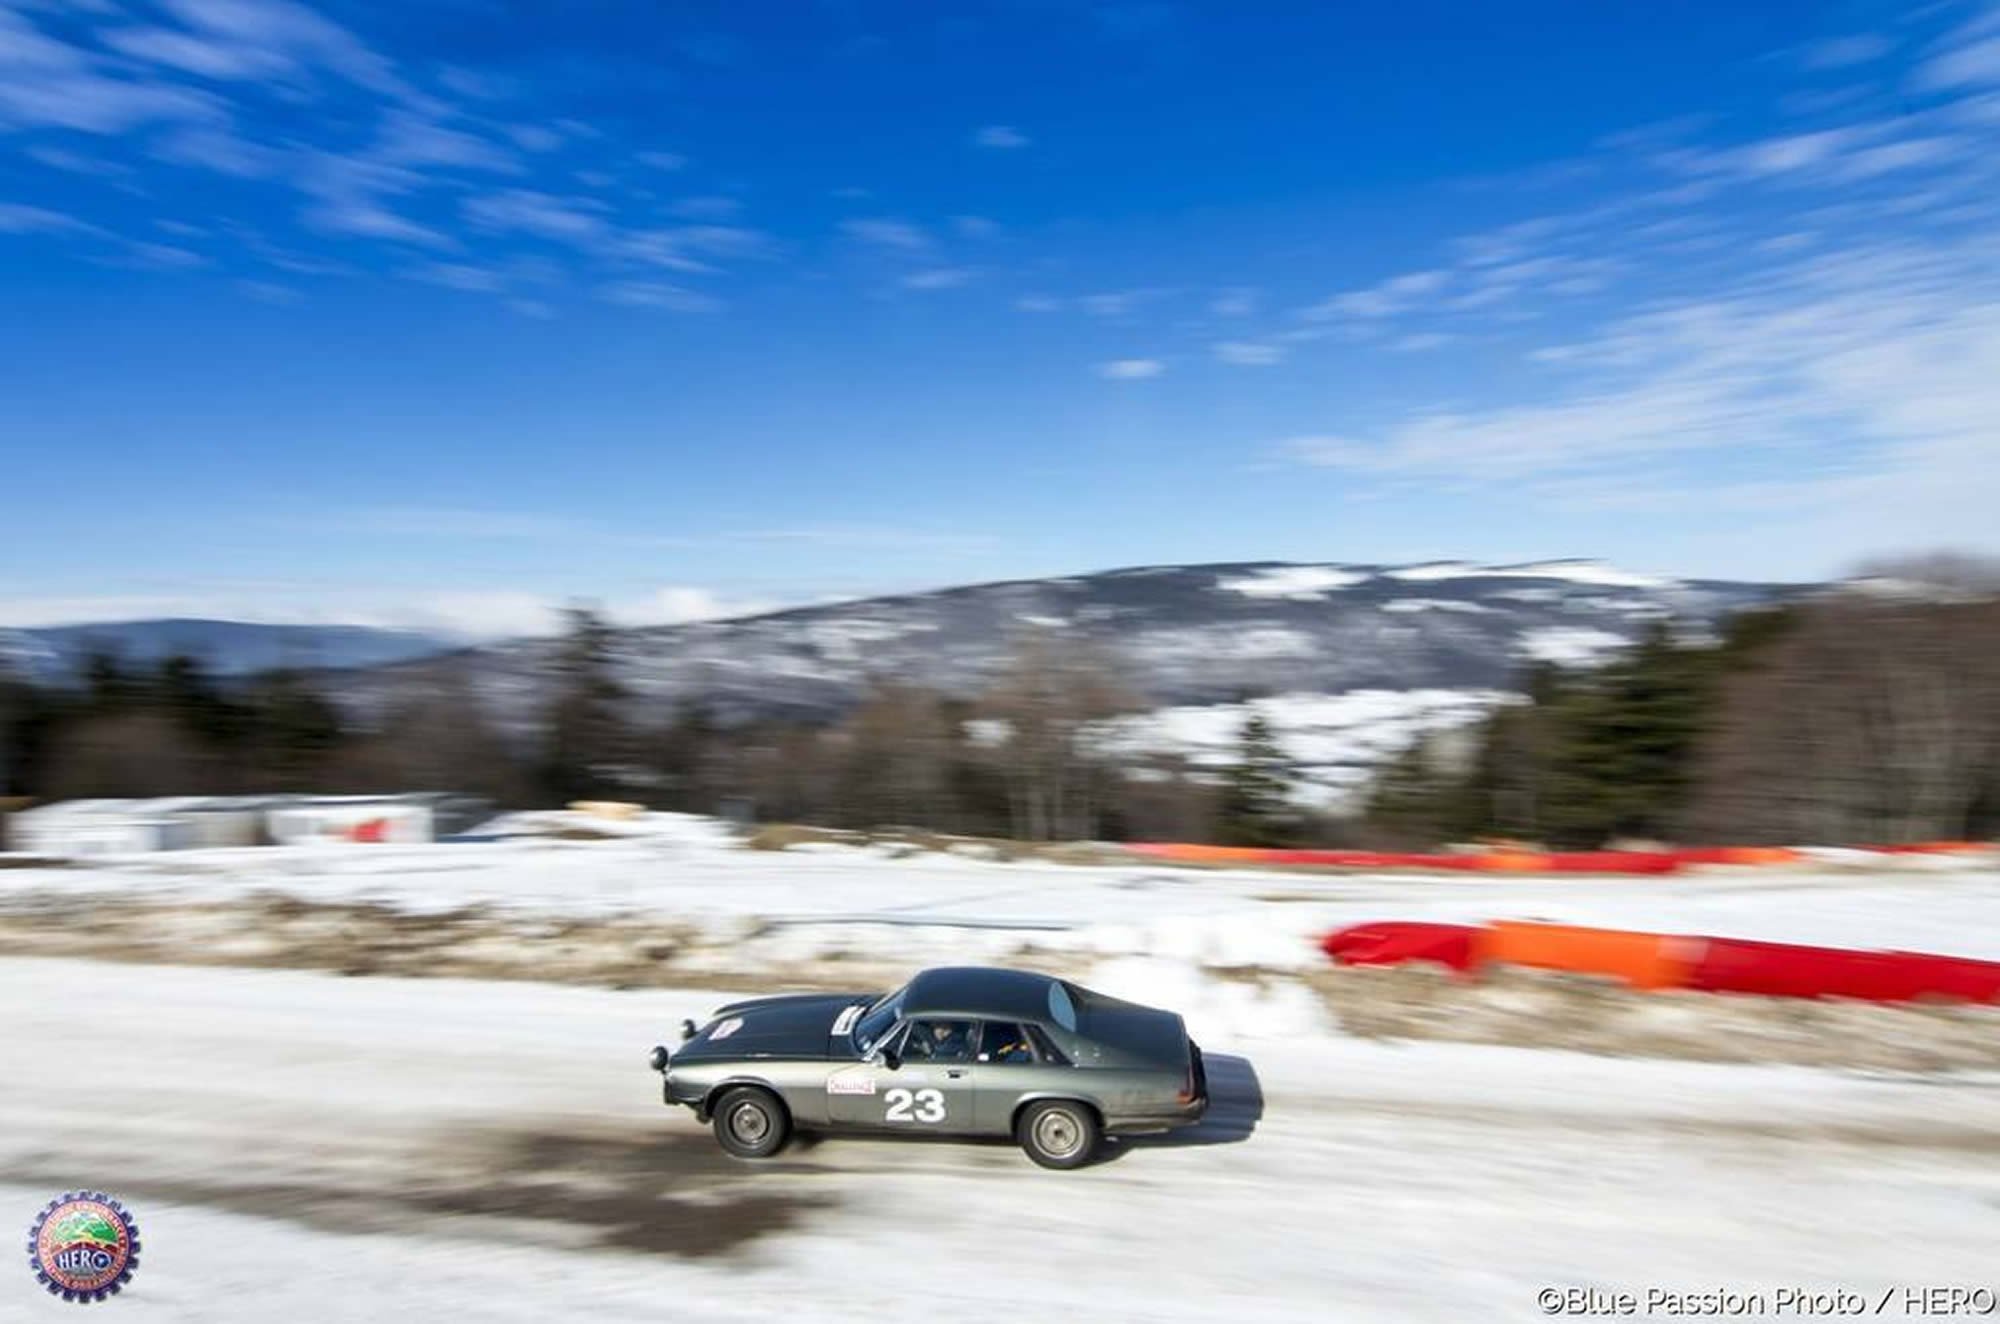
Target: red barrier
(1930,848)
(1957,978)
(1613,861)
(1394,942)
(1775,969)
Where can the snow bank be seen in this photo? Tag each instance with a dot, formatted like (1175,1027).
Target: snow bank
(1216,1010)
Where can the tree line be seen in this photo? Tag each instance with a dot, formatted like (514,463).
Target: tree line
(1867,715)
(1840,718)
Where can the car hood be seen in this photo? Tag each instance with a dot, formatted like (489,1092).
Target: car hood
(799,1025)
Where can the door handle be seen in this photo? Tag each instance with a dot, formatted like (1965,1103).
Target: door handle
(955,1072)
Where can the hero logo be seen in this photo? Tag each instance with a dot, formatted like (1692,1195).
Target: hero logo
(850,1084)
(922,1106)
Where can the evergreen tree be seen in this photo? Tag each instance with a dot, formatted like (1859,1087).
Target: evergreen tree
(294,733)
(1256,807)
(584,738)
(1409,799)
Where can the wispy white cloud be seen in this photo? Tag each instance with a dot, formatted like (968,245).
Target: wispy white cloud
(411,139)
(145,256)
(1130,370)
(1386,299)
(544,215)
(1864,381)
(1246,353)
(661,160)
(1844,52)
(1973,62)
(705,207)
(264,291)
(457,276)
(657,294)
(196,55)
(21,218)
(220,150)
(534,137)
(887,232)
(78,163)
(1118,305)
(258,32)
(939,278)
(367,219)
(1000,136)
(1234,303)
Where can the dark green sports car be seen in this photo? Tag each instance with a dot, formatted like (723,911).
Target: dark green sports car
(959,1051)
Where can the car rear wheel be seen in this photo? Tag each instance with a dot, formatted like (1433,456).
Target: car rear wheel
(1058,1134)
(751,1123)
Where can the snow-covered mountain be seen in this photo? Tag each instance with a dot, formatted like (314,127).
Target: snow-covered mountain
(227,648)
(1349,663)
(1185,636)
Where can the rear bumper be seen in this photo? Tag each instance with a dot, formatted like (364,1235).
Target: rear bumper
(1179,1114)
(1166,1119)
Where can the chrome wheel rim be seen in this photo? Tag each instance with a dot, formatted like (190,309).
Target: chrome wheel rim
(1058,1134)
(748,1123)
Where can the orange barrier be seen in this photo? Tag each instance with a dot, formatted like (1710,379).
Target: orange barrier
(1736,855)
(1642,960)
(1518,861)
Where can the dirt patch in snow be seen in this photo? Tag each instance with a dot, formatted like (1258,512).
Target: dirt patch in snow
(674,1195)
(276,931)
(1546,1010)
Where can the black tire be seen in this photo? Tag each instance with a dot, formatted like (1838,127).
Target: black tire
(1058,1133)
(751,1122)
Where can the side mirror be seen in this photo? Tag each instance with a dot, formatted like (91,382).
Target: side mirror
(892,1059)
(658,1057)
(687,1030)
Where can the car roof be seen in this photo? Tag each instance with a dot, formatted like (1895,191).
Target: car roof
(972,990)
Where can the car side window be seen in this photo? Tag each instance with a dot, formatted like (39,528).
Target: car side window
(1003,1042)
(938,1041)
(1050,1053)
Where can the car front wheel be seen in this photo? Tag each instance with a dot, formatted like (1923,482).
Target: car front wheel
(1058,1134)
(751,1123)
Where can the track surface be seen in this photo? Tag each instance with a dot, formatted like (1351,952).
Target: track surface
(310,1147)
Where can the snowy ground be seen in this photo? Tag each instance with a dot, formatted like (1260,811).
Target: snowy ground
(767,909)
(308,1147)
(304,1145)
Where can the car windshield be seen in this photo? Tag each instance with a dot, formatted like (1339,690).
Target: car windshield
(876,1022)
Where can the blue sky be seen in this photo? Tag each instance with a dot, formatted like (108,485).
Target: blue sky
(440,314)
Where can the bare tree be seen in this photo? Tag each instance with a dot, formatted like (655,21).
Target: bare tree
(1053,693)
(1869,720)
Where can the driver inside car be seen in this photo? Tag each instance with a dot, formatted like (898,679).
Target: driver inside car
(1006,1043)
(940,1041)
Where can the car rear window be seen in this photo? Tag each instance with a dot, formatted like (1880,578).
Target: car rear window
(1061,1009)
